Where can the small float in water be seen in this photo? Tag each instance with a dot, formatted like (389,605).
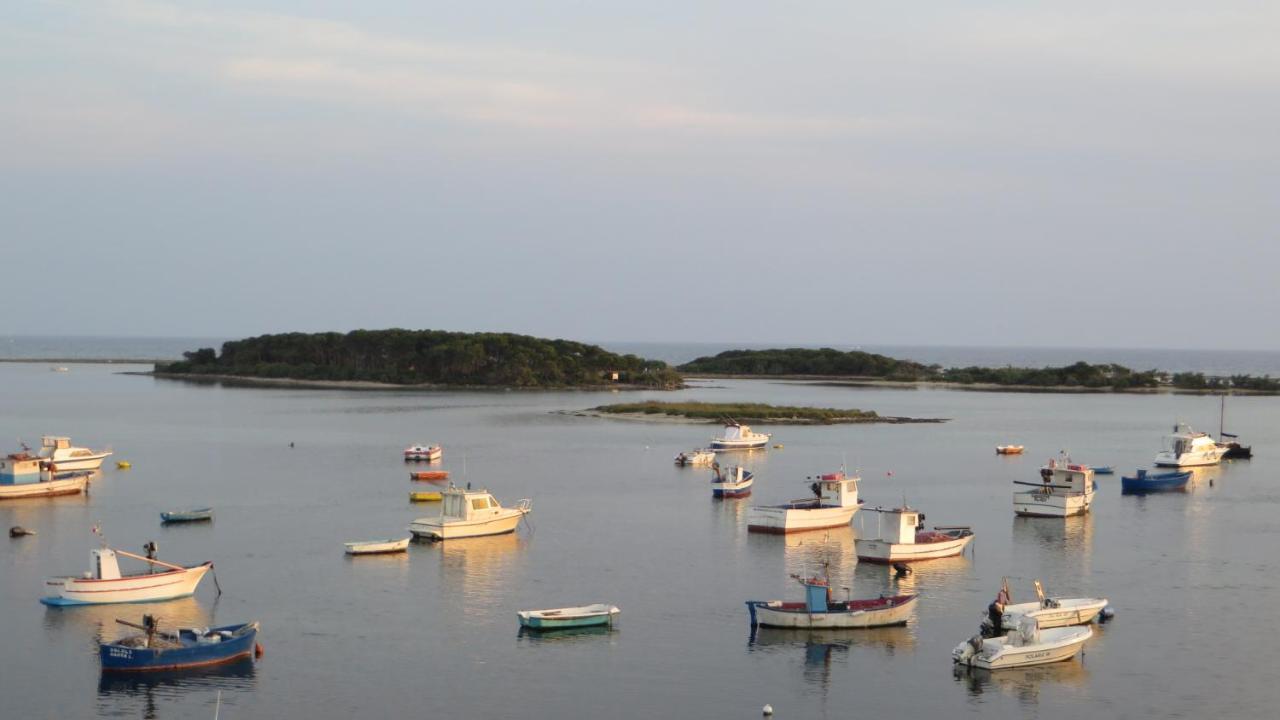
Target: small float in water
(901,538)
(187,648)
(123,464)
(425,497)
(735,483)
(569,617)
(377,547)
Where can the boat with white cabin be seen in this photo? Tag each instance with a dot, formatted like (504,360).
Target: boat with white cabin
(901,537)
(834,503)
(468,513)
(422,451)
(1027,644)
(104,583)
(23,475)
(740,437)
(1185,447)
(62,456)
(1065,489)
(735,483)
(697,456)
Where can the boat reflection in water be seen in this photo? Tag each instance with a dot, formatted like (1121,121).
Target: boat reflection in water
(823,649)
(100,620)
(142,694)
(567,636)
(805,553)
(1025,683)
(480,572)
(1055,545)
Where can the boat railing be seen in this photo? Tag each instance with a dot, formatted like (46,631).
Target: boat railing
(525,505)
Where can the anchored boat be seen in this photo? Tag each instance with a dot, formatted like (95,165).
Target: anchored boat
(1025,645)
(182,516)
(739,437)
(569,617)
(1228,442)
(834,503)
(820,610)
(1065,489)
(1185,447)
(104,582)
(1009,449)
(425,497)
(698,456)
(430,475)
(736,483)
(470,513)
(1144,482)
(1048,612)
(23,475)
(423,451)
(187,648)
(901,537)
(377,547)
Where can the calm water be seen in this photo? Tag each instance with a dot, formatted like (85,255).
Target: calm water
(1193,576)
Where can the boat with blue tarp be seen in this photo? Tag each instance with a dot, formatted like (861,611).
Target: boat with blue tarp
(155,650)
(1144,481)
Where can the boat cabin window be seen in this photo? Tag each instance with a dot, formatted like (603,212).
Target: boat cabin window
(479,503)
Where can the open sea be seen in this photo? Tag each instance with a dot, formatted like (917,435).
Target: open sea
(1192,575)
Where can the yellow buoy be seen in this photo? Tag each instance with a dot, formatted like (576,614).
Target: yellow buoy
(124,464)
(778,446)
(424,497)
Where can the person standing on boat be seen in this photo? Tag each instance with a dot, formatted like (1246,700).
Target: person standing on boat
(995,611)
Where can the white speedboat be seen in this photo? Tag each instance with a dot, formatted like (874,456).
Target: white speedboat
(1023,646)
(105,584)
(23,475)
(739,437)
(423,451)
(1049,612)
(62,456)
(698,456)
(901,537)
(1065,489)
(468,513)
(834,503)
(1188,448)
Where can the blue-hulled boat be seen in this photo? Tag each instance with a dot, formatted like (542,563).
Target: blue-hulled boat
(1104,470)
(189,648)
(193,515)
(1154,482)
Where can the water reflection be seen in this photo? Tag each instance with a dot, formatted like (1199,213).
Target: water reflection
(565,636)
(1023,684)
(144,694)
(97,623)
(806,553)
(823,648)
(923,575)
(481,569)
(1064,542)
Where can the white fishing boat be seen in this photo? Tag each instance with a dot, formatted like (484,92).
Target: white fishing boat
(1065,489)
(1025,645)
(23,475)
(104,583)
(1048,612)
(377,547)
(698,456)
(735,483)
(901,537)
(820,610)
(739,437)
(834,503)
(422,451)
(62,456)
(470,513)
(1185,447)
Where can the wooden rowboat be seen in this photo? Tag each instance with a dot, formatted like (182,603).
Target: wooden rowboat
(1009,449)
(377,547)
(569,617)
(425,497)
(430,475)
(193,515)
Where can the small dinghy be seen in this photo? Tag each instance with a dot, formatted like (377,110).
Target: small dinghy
(430,475)
(733,484)
(1009,449)
(569,617)
(181,516)
(187,648)
(425,497)
(1144,482)
(377,547)
(1104,470)
(1026,645)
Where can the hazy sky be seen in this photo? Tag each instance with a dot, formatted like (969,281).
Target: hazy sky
(1078,173)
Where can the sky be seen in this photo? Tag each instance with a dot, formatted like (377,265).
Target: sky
(1087,174)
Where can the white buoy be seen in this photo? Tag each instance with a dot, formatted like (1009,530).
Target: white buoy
(767,710)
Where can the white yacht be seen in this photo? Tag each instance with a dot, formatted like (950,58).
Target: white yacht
(1185,447)
(63,457)
(469,513)
(739,437)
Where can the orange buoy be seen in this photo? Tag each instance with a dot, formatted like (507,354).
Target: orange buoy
(257,650)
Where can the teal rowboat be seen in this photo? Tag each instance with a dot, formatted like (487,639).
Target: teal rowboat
(569,617)
(178,516)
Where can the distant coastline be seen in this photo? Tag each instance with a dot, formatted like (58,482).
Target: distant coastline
(250,381)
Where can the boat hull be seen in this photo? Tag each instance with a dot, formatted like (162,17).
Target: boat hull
(879,551)
(51,488)
(88,462)
(437,529)
(782,519)
(731,492)
(120,658)
(1062,645)
(568,618)
(1042,504)
(1072,612)
(740,444)
(132,589)
(890,611)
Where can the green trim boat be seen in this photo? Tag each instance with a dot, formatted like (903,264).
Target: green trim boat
(569,617)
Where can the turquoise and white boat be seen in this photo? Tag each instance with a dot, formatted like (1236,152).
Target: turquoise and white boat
(181,516)
(569,617)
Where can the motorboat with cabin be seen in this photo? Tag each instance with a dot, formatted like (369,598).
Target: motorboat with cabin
(1185,447)
(1024,645)
(104,583)
(739,437)
(422,451)
(1049,612)
(1065,489)
(735,483)
(697,456)
(834,502)
(62,456)
(820,610)
(468,513)
(23,475)
(901,537)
